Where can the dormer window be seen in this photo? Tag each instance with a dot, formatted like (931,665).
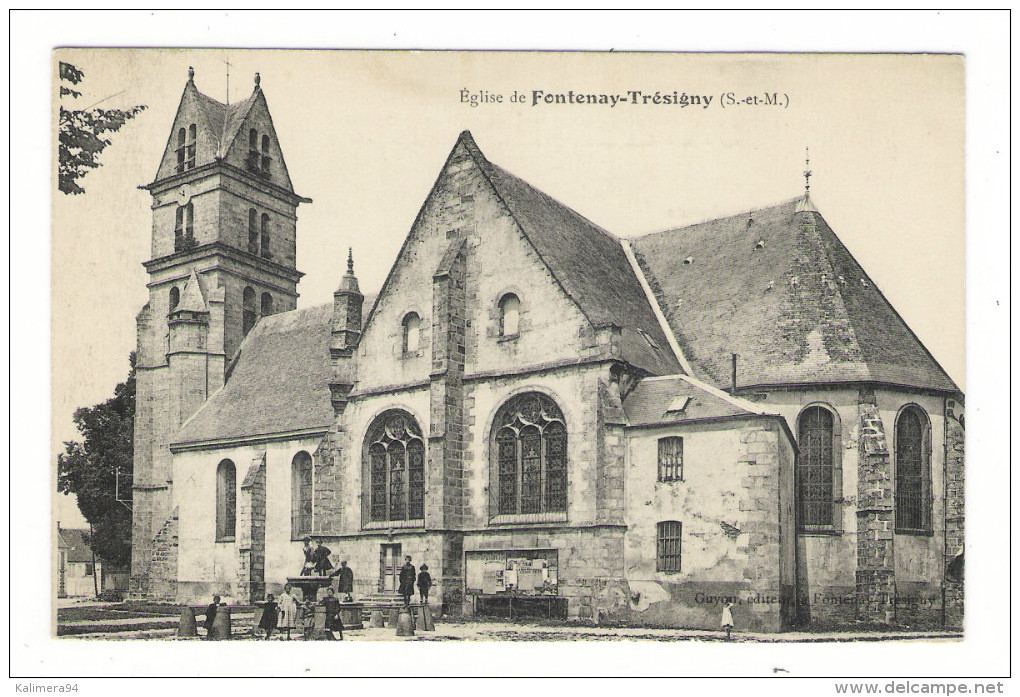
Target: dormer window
(411,333)
(509,315)
(186,147)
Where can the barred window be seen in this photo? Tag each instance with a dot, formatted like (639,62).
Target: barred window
(226,500)
(913,471)
(253,231)
(667,550)
(531,456)
(671,459)
(395,463)
(300,495)
(248,315)
(815,467)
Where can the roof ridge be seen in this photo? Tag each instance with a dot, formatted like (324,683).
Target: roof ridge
(738,402)
(715,219)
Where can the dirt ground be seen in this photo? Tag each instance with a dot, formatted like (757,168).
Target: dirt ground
(133,622)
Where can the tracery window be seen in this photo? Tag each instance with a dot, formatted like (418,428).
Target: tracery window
(530,456)
(395,453)
(913,471)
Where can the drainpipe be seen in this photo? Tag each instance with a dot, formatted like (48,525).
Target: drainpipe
(733,377)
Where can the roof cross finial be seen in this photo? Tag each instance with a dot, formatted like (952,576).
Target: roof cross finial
(807,171)
(191,74)
(350,261)
(227,61)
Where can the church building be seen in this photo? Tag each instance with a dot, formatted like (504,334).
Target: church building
(615,430)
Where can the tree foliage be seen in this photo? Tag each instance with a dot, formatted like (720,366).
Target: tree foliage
(81,137)
(88,468)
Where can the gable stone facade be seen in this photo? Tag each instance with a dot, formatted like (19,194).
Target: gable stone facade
(539,411)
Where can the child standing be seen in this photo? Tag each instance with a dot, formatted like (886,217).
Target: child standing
(270,616)
(727,619)
(424,584)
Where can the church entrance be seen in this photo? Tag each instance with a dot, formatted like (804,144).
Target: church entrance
(390,563)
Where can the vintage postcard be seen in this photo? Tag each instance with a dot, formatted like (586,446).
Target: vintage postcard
(508,346)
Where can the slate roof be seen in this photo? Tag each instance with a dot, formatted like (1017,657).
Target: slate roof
(587,261)
(75,541)
(823,320)
(278,382)
(653,401)
(224,120)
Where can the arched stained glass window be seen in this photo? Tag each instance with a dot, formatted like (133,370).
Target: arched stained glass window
(530,451)
(395,464)
(913,471)
(815,468)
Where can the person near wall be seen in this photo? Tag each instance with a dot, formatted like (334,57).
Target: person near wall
(288,611)
(424,583)
(334,622)
(270,616)
(407,579)
(321,565)
(308,549)
(727,619)
(345,581)
(210,615)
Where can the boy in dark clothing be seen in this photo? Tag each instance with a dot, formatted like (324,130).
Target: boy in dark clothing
(334,622)
(345,581)
(407,578)
(210,615)
(321,564)
(424,583)
(270,616)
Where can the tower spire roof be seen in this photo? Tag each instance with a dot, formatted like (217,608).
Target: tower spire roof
(349,283)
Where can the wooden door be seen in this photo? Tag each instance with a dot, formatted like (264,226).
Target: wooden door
(390,568)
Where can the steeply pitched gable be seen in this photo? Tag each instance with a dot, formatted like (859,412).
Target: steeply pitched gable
(221,131)
(778,288)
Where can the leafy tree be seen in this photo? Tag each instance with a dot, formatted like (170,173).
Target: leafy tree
(81,132)
(88,468)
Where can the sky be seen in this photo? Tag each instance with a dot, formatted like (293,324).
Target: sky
(364,135)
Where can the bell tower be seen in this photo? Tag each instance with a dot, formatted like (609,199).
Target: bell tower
(224,219)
